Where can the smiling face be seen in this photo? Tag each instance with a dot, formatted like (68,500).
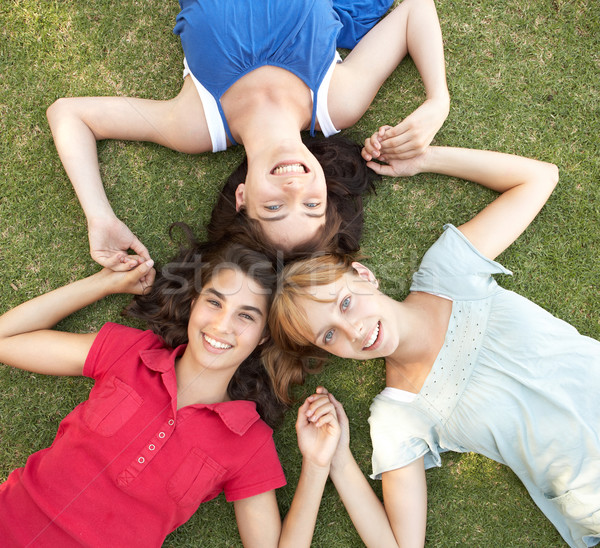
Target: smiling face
(286,191)
(350,318)
(227,321)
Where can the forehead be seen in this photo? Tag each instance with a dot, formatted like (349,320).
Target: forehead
(348,284)
(237,288)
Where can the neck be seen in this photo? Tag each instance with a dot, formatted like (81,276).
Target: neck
(199,384)
(423,320)
(412,328)
(269,104)
(266,126)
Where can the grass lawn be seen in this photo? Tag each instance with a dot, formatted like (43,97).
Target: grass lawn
(524,78)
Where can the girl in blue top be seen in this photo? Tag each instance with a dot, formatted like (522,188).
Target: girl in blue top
(470,366)
(258,73)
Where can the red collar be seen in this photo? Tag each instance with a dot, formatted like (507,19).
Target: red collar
(237,415)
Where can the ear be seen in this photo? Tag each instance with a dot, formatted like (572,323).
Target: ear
(364,273)
(240,202)
(266,336)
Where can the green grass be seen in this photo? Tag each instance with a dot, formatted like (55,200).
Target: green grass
(524,78)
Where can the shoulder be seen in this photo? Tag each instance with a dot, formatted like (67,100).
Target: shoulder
(401,433)
(454,268)
(114,341)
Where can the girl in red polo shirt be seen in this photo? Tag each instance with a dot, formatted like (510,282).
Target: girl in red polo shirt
(177,413)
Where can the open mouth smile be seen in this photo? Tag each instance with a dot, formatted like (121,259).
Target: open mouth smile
(284,169)
(373,337)
(216,344)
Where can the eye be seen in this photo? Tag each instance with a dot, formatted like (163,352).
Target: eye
(246,316)
(328,336)
(273,207)
(345,304)
(214,302)
(312,204)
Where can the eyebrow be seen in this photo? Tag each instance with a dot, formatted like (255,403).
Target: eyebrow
(224,298)
(279,217)
(322,332)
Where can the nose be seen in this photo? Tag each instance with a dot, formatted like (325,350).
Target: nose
(292,183)
(354,329)
(224,322)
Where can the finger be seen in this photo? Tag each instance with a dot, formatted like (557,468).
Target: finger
(381,169)
(144,268)
(314,404)
(396,140)
(371,148)
(339,408)
(326,409)
(119,263)
(402,155)
(329,419)
(143,274)
(148,280)
(319,392)
(384,130)
(301,420)
(132,261)
(140,249)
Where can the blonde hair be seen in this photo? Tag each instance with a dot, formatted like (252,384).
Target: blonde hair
(294,354)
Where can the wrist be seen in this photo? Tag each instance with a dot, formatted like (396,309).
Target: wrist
(430,161)
(441,98)
(100,214)
(342,459)
(315,469)
(102,283)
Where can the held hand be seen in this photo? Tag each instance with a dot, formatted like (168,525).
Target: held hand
(318,430)
(342,452)
(395,167)
(411,137)
(110,239)
(414,134)
(137,281)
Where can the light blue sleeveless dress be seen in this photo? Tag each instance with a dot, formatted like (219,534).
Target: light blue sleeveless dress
(512,382)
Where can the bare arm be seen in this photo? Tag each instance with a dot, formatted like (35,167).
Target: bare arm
(524,186)
(412,27)
(379,527)
(258,517)
(26,339)
(77,123)
(405,497)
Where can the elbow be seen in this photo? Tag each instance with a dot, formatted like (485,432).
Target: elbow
(546,177)
(553,176)
(62,109)
(56,111)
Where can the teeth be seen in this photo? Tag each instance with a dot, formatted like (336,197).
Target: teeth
(216,344)
(373,336)
(289,168)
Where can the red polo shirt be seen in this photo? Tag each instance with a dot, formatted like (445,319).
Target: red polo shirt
(126,468)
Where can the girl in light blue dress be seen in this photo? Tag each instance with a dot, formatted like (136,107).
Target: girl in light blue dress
(470,366)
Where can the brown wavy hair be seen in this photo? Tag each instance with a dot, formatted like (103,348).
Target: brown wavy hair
(293,354)
(166,310)
(348,179)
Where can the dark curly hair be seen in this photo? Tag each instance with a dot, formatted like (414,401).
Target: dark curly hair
(348,179)
(166,309)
